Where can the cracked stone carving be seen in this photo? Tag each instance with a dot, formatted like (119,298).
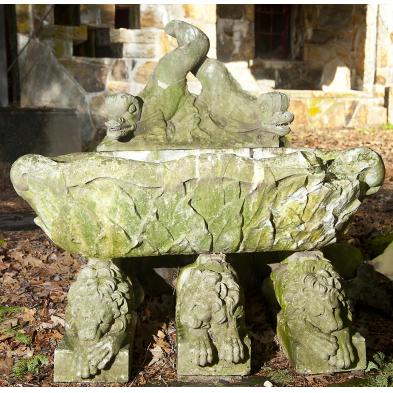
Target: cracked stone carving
(211,333)
(100,324)
(179,173)
(105,205)
(166,114)
(314,324)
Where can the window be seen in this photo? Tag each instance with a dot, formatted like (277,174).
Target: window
(272,31)
(67,15)
(127,16)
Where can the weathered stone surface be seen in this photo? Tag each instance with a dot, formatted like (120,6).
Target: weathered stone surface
(345,259)
(205,12)
(100,321)
(90,73)
(314,324)
(212,337)
(62,49)
(336,76)
(196,201)
(389,104)
(334,32)
(371,289)
(165,113)
(235,32)
(77,34)
(119,86)
(108,14)
(313,109)
(23,18)
(376,115)
(144,71)
(137,36)
(285,74)
(97,109)
(121,70)
(141,50)
(384,59)
(384,263)
(66,367)
(158,15)
(90,14)
(46,84)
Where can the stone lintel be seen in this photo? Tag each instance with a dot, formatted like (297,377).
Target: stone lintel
(75,33)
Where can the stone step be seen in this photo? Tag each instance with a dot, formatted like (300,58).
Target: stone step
(352,109)
(287,74)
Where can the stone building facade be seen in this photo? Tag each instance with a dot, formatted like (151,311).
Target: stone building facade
(335,61)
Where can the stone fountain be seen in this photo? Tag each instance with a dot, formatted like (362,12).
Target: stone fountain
(208,175)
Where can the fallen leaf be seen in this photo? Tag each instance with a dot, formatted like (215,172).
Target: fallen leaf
(9,282)
(157,354)
(6,335)
(6,365)
(33,261)
(17,255)
(57,321)
(4,266)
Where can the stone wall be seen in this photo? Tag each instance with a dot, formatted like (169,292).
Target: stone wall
(325,38)
(384,55)
(335,110)
(327,49)
(335,34)
(235,32)
(123,59)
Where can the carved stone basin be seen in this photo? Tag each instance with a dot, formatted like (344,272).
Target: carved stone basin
(142,203)
(207,174)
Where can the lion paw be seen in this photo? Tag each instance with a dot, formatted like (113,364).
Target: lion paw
(101,353)
(201,349)
(345,354)
(231,350)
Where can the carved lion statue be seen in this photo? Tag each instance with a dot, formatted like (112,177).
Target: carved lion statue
(100,315)
(314,321)
(210,305)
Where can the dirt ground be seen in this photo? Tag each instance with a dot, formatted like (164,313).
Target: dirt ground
(35,276)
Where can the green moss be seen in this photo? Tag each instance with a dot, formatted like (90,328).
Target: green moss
(21,337)
(345,259)
(29,366)
(8,310)
(379,373)
(377,245)
(279,377)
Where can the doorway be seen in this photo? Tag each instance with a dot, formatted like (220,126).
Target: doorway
(272,31)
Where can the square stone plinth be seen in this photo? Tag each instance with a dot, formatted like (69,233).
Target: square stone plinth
(323,367)
(186,367)
(65,367)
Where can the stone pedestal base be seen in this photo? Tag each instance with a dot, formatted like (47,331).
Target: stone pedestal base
(187,367)
(65,368)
